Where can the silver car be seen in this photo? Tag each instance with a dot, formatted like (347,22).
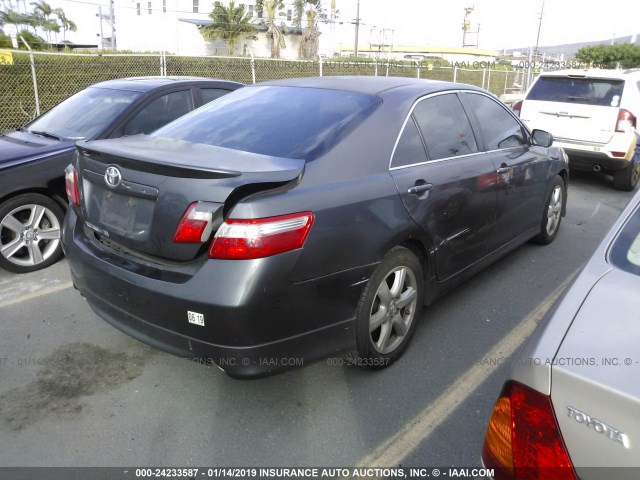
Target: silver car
(571,405)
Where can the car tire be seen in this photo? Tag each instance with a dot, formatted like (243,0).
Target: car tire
(627,178)
(552,213)
(389,309)
(30,231)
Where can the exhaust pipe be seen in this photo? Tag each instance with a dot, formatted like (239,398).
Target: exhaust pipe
(597,168)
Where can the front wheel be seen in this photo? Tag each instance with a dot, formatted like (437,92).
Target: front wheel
(389,307)
(552,214)
(30,227)
(627,178)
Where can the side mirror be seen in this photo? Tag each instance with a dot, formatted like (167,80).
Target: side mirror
(541,138)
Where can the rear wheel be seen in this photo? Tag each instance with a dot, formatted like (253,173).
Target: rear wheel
(552,214)
(30,227)
(627,178)
(389,308)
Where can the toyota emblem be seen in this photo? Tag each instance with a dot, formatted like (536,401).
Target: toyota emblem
(112,177)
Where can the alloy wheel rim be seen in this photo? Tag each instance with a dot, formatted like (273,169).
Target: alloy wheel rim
(554,210)
(393,310)
(29,235)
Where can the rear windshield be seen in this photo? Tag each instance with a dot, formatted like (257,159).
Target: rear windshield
(625,252)
(290,122)
(588,91)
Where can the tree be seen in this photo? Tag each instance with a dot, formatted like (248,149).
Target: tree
(13,17)
(229,24)
(625,55)
(44,11)
(65,23)
(275,32)
(313,11)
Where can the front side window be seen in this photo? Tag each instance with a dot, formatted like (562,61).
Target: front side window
(159,112)
(210,94)
(86,114)
(498,127)
(445,127)
(289,122)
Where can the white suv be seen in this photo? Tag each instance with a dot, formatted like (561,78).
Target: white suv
(591,114)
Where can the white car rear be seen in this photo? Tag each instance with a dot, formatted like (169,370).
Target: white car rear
(591,114)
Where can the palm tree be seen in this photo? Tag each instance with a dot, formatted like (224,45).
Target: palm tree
(229,24)
(65,23)
(43,9)
(310,40)
(13,17)
(275,32)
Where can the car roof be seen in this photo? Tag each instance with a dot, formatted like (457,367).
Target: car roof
(593,73)
(368,85)
(146,84)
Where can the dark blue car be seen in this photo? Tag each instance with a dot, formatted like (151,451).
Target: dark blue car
(33,158)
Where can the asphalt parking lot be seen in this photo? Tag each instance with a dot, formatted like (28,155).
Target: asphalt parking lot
(76,392)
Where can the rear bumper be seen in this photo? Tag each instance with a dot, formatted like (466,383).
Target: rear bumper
(584,156)
(256,321)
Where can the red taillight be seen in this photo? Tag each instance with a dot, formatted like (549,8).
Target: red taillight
(523,440)
(626,121)
(262,237)
(195,225)
(517,107)
(71,185)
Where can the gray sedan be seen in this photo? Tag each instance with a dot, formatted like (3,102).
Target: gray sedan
(571,405)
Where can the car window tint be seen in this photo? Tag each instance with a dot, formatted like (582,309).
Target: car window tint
(210,94)
(86,114)
(625,251)
(159,112)
(445,127)
(289,122)
(587,91)
(410,149)
(498,127)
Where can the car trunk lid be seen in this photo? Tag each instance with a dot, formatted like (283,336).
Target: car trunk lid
(578,108)
(594,381)
(135,190)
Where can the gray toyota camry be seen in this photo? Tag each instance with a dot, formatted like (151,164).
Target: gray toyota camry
(296,219)
(570,407)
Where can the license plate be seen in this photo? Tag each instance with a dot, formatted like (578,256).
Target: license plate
(196,318)
(118,212)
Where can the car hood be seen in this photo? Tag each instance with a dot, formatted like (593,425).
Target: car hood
(18,147)
(594,379)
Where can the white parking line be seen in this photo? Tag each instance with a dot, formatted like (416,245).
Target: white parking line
(39,293)
(397,447)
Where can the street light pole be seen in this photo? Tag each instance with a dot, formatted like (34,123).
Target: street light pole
(357,28)
(535,52)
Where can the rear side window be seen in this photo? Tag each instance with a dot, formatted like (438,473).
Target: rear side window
(290,122)
(410,149)
(159,112)
(587,91)
(625,252)
(211,94)
(498,127)
(445,127)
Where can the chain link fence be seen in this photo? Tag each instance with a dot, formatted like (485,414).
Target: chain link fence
(56,76)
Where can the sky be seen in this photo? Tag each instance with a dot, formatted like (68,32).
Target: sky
(503,23)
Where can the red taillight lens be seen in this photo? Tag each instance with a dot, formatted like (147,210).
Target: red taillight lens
(195,225)
(517,107)
(71,185)
(523,440)
(626,120)
(244,239)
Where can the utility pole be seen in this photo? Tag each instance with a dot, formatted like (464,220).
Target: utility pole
(535,52)
(357,27)
(101,32)
(113,24)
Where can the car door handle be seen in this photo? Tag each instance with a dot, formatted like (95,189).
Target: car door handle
(504,170)
(418,189)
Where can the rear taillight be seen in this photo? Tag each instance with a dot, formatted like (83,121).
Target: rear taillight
(626,121)
(195,225)
(517,107)
(71,185)
(523,440)
(240,239)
